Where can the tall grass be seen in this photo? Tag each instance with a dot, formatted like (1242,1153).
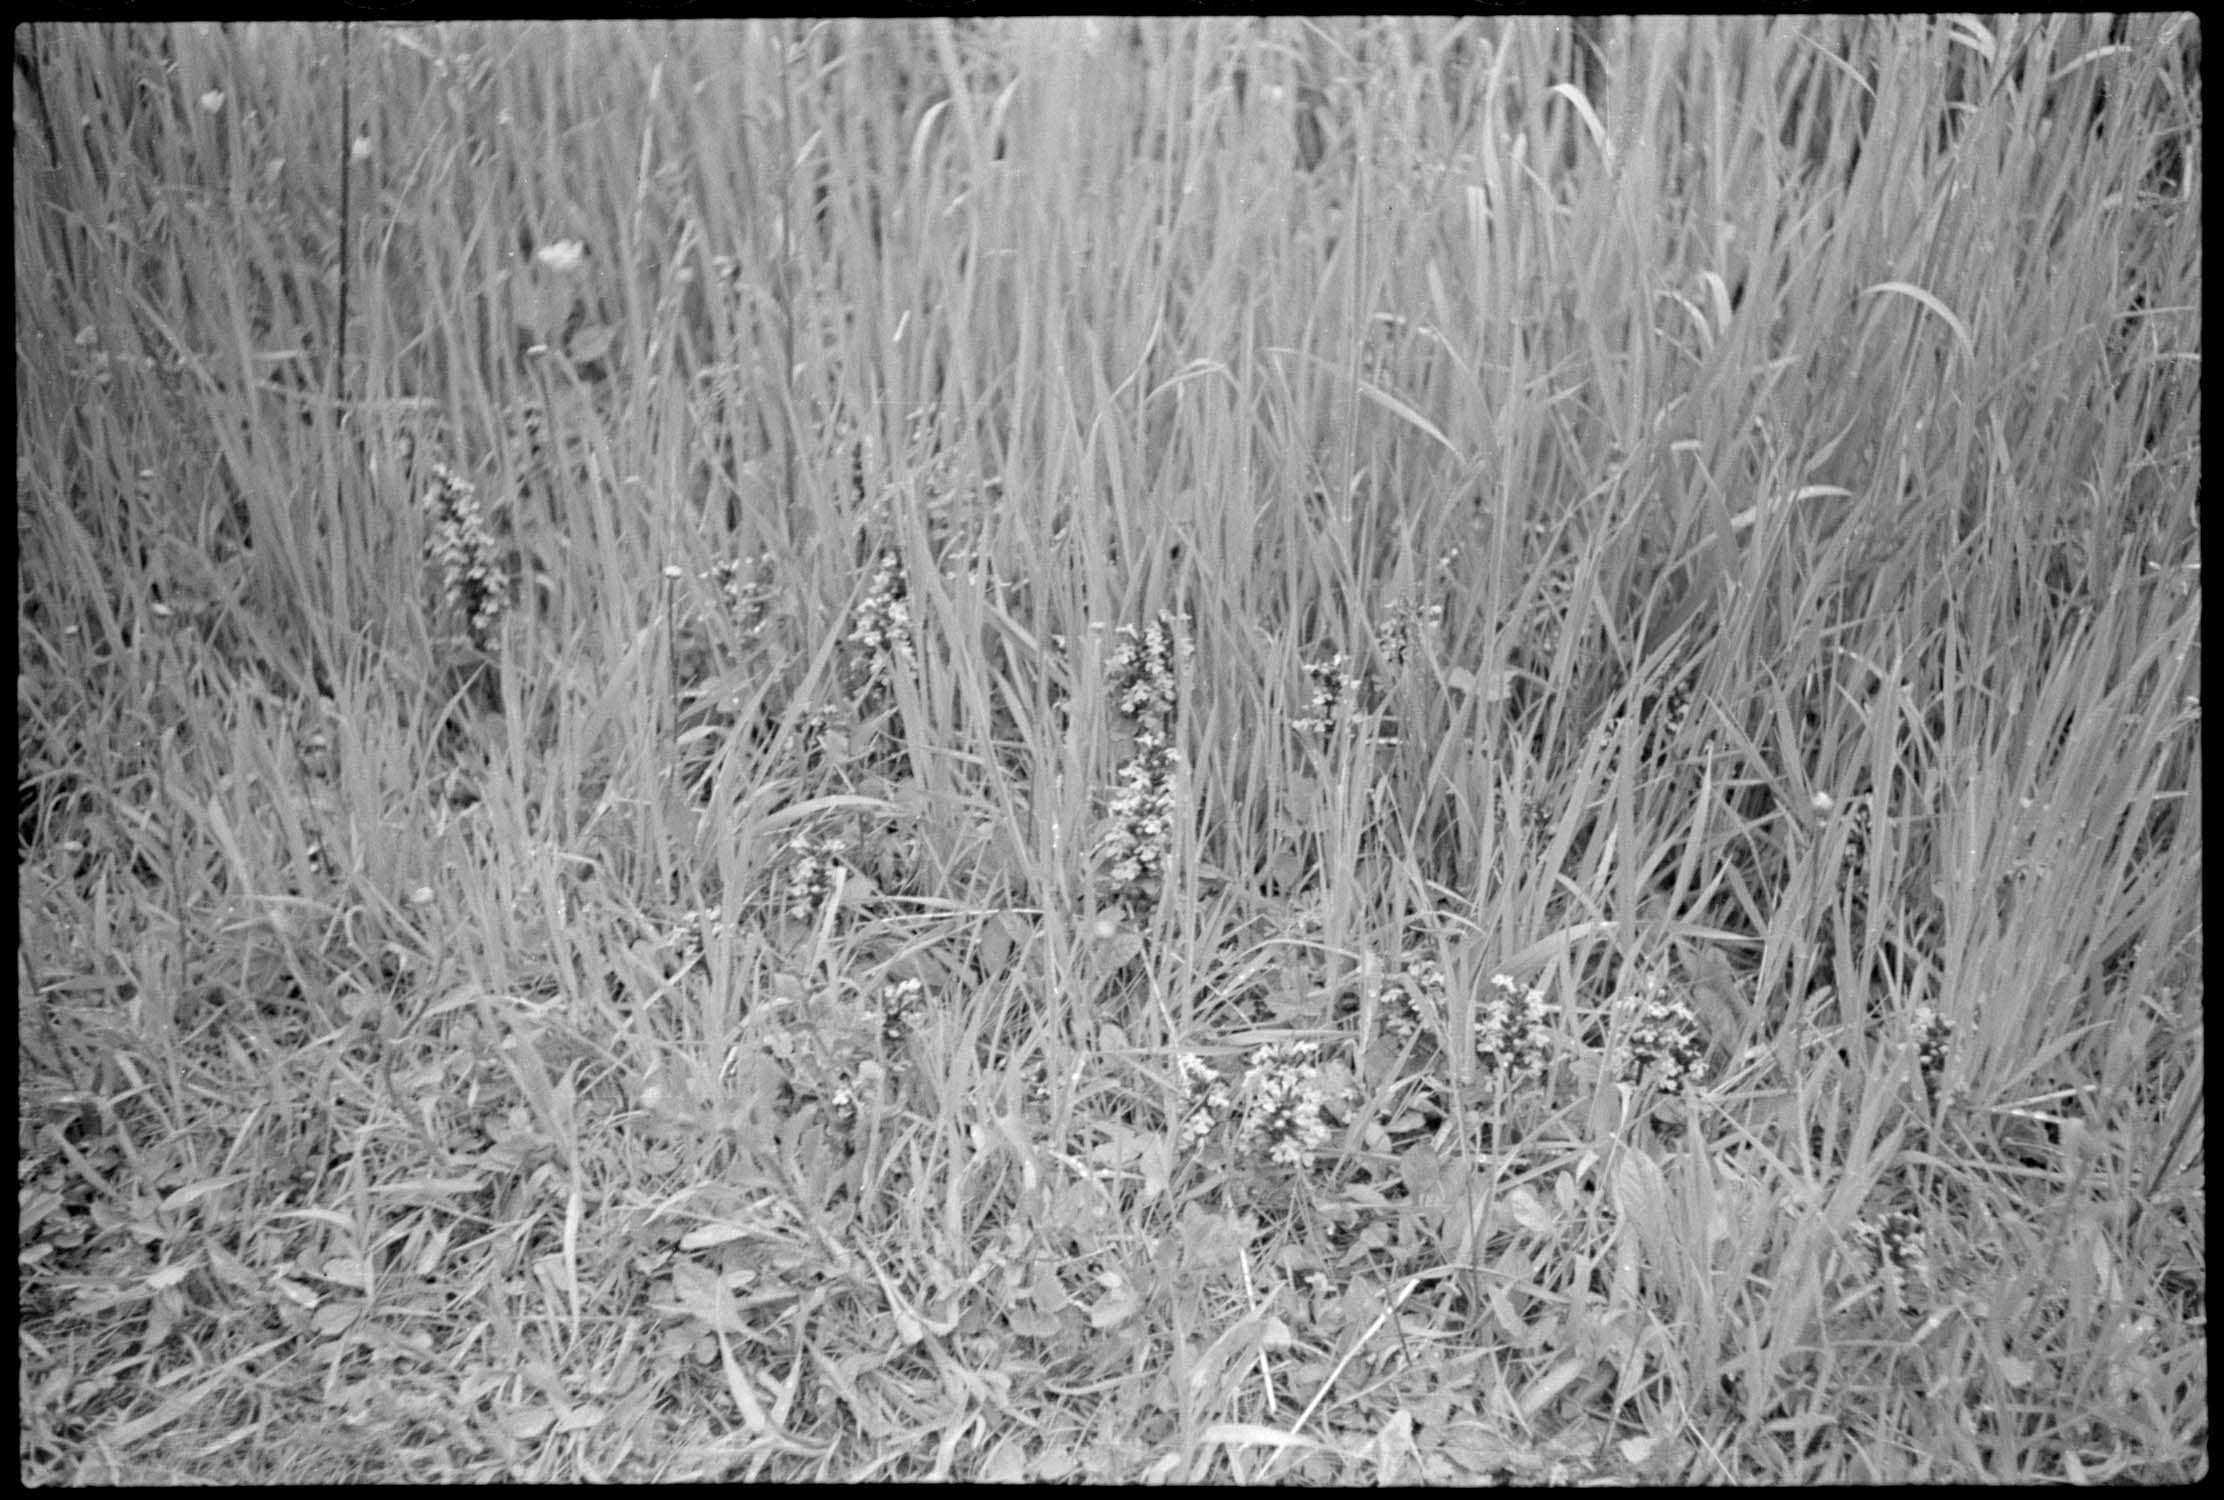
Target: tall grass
(900,780)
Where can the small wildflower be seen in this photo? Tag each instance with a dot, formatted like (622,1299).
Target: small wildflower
(736,579)
(1145,688)
(1669,712)
(814,729)
(841,1108)
(1895,1243)
(1141,834)
(1413,1000)
(729,575)
(1860,825)
(1282,1101)
(1206,1100)
(882,633)
(1035,1081)
(471,581)
(1397,632)
(811,877)
(685,943)
(1512,1035)
(1662,1041)
(903,1009)
(1144,667)
(1902,1236)
(1932,1033)
(1335,697)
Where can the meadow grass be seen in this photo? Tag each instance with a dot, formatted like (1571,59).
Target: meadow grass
(1229,750)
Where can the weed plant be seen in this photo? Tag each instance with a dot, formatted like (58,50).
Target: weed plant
(1210,750)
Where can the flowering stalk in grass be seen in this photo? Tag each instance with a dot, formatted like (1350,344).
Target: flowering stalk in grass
(1142,823)
(903,1010)
(471,582)
(1145,674)
(1206,1100)
(739,581)
(1898,1257)
(812,874)
(880,638)
(879,653)
(1145,689)
(1513,1032)
(1413,1001)
(1402,633)
(1402,629)
(1933,1035)
(1660,1043)
(1281,1097)
(1333,710)
(1275,1107)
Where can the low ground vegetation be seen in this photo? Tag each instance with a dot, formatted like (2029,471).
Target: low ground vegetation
(1222,751)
